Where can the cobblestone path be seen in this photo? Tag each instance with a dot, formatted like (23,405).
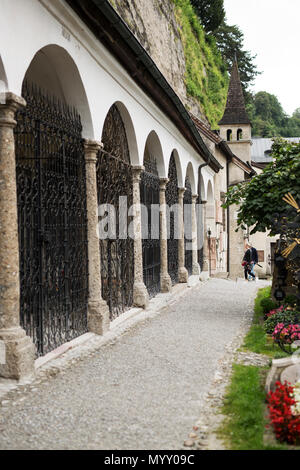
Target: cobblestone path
(144,391)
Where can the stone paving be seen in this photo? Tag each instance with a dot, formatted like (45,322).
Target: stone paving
(147,388)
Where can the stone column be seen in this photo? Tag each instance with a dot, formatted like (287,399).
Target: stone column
(182,271)
(165,280)
(17,350)
(140,293)
(196,267)
(98,311)
(205,241)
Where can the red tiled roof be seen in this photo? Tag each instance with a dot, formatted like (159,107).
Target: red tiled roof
(206,130)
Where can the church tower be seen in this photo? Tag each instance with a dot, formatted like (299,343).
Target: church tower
(235,126)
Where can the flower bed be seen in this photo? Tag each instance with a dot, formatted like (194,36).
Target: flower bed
(283,323)
(284,409)
(286,335)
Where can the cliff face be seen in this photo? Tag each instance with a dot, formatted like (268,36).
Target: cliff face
(166,29)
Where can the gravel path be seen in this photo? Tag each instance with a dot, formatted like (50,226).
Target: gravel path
(143,392)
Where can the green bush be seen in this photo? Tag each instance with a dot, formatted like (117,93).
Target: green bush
(290,300)
(287,317)
(268,305)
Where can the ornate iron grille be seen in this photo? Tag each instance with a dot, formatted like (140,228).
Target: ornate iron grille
(114,180)
(171,199)
(52,218)
(200,233)
(151,247)
(187,201)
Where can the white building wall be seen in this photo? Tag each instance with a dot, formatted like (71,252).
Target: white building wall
(91,79)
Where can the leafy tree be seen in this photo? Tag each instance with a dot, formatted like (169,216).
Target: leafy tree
(261,199)
(210,12)
(269,119)
(230,42)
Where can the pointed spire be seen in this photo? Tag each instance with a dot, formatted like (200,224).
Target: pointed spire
(235,111)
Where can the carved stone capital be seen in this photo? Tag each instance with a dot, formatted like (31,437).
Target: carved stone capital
(9,105)
(91,148)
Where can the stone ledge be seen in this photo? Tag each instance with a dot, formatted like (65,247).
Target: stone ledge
(279,366)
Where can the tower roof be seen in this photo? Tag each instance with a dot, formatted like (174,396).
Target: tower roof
(235,111)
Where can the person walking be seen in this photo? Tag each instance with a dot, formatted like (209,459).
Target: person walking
(249,261)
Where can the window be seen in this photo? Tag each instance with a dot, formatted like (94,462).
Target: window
(261,256)
(229,135)
(239,134)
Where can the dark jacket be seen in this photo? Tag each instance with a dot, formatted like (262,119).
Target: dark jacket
(251,255)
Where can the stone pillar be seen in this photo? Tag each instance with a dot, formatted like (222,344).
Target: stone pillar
(165,280)
(98,311)
(17,349)
(182,271)
(140,293)
(205,241)
(196,267)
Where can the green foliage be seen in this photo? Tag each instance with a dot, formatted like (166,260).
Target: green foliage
(263,294)
(243,407)
(268,118)
(256,339)
(268,304)
(290,300)
(230,42)
(210,12)
(287,317)
(206,77)
(261,198)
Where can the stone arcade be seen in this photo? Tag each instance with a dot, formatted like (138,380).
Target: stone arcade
(85,117)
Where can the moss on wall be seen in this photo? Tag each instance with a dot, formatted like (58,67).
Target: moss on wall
(171,33)
(206,78)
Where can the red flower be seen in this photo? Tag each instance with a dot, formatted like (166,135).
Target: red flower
(286,426)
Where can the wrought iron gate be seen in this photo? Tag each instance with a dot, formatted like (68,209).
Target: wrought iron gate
(151,246)
(171,199)
(52,219)
(114,180)
(200,233)
(187,201)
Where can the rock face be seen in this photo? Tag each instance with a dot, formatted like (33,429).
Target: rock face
(154,24)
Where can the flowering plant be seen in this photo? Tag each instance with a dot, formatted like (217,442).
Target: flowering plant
(276,310)
(296,408)
(285,422)
(286,334)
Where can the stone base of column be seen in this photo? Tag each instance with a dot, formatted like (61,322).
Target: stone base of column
(18,354)
(204,276)
(183,275)
(98,317)
(140,295)
(165,283)
(196,269)
(205,265)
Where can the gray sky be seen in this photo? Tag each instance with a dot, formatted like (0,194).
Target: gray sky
(272,31)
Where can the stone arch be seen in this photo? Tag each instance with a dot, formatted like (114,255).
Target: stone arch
(179,171)
(50,169)
(154,148)
(210,210)
(201,186)
(129,130)
(3,78)
(191,175)
(114,183)
(55,72)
